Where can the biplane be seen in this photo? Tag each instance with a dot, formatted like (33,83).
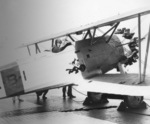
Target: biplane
(85,62)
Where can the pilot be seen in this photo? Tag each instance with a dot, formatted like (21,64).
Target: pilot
(58,48)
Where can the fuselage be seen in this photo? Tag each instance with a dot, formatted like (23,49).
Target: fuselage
(99,57)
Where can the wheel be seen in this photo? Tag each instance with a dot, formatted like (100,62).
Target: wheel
(133,101)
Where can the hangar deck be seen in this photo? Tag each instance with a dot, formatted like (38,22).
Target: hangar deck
(56,110)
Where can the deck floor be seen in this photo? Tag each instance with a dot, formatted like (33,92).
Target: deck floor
(56,110)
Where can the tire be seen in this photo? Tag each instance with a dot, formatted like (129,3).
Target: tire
(133,101)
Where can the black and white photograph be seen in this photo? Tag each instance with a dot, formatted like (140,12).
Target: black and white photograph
(74,62)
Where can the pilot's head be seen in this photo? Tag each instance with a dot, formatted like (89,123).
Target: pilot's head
(58,42)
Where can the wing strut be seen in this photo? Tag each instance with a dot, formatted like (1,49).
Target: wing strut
(53,42)
(146,54)
(93,36)
(88,33)
(71,38)
(28,50)
(115,27)
(112,28)
(37,48)
(139,36)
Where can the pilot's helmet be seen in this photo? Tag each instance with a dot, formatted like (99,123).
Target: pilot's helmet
(58,41)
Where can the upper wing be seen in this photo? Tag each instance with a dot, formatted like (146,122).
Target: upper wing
(101,23)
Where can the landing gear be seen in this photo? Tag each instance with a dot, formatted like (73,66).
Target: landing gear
(95,98)
(132,102)
(129,102)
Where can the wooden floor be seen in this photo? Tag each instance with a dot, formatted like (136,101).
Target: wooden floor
(56,110)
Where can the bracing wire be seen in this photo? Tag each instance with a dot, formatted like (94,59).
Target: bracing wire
(79,92)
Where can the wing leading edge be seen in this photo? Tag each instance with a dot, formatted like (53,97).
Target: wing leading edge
(101,23)
(117,84)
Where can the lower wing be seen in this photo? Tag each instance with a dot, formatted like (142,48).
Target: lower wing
(122,84)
